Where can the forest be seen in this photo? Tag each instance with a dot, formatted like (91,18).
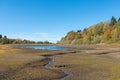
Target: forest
(103,32)
(5,40)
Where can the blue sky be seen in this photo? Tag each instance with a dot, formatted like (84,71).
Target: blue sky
(50,20)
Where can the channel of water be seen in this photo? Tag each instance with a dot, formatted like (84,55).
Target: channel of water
(48,66)
(52,59)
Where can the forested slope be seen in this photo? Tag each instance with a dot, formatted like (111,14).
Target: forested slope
(103,32)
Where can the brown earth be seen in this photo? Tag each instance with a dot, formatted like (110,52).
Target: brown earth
(99,62)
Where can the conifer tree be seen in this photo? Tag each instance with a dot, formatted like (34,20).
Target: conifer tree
(0,36)
(113,21)
(118,19)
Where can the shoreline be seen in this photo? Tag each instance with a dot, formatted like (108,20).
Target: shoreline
(75,61)
(70,46)
(36,64)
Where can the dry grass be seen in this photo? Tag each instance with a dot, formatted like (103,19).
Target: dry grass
(4,49)
(28,64)
(90,65)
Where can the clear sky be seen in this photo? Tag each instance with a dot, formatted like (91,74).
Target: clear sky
(50,20)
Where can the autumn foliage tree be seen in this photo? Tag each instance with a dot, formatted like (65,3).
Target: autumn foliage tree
(103,32)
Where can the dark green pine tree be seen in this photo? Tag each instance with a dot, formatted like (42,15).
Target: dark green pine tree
(113,21)
(0,36)
(118,19)
(79,31)
(5,37)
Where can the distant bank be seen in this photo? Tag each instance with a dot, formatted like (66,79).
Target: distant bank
(101,33)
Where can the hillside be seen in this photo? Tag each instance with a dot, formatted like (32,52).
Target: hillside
(103,32)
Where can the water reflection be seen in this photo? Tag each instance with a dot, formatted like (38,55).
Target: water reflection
(44,47)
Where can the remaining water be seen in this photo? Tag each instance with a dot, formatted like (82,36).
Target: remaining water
(47,47)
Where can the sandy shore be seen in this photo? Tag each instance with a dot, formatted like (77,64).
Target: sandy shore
(81,63)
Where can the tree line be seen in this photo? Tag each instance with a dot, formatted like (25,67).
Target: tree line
(5,40)
(103,32)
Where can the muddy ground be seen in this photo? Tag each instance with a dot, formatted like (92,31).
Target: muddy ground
(79,63)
